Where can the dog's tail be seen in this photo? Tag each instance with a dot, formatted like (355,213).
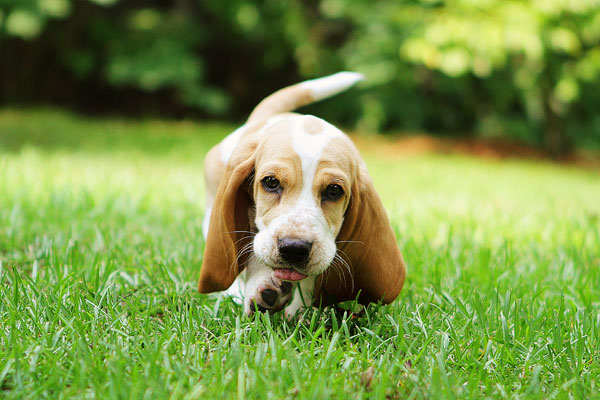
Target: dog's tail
(303,93)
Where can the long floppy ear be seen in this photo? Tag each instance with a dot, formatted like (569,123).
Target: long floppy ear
(228,229)
(366,241)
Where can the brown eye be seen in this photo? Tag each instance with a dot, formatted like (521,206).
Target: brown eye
(271,184)
(333,192)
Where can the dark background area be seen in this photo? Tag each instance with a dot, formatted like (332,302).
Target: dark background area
(525,71)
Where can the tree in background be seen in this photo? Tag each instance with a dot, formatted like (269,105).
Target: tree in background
(526,70)
(529,65)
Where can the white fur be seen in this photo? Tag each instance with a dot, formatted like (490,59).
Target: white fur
(322,88)
(257,276)
(229,144)
(237,289)
(206,220)
(250,283)
(305,224)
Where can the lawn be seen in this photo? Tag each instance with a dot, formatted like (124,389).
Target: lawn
(101,247)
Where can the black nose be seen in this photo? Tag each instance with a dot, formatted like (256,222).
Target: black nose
(294,251)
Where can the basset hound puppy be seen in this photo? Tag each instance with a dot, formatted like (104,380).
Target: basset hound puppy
(292,217)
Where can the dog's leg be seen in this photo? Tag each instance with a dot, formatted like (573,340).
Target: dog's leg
(303,297)
(237,288)
(257,289)
(263,291)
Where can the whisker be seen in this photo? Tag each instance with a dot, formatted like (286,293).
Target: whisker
(247,248)
(346,265)
(250,257)
(242,238)
(340,272)
(337,269)
(239,240)
(244,250)
(326,277)
(343,253)
(249,244)
(350,272)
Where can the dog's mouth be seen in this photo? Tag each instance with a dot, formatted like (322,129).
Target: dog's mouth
(288,274)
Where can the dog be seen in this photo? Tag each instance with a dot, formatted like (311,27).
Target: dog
(292,218)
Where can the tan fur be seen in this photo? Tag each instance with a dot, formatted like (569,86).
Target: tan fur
(313,126)
(283,100)
(367,242)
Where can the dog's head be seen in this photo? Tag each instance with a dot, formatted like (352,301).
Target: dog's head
(302,184)
(297,196)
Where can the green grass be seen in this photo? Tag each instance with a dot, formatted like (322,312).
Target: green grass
(101,246)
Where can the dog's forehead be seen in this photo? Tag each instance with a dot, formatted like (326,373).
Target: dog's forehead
(307,138)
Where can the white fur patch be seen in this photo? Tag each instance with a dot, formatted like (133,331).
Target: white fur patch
(309,148)
(328,86)
(229,144)
(206,221)
(237,290)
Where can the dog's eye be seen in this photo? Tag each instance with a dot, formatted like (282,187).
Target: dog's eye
(333,192)
(271,184)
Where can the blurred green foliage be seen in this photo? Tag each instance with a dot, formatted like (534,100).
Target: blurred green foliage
(525,70)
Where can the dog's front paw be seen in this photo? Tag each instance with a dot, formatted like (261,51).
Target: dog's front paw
(272,295)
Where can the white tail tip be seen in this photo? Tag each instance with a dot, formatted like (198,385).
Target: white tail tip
(322,88)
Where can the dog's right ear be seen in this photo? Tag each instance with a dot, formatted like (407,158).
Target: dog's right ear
(229,224)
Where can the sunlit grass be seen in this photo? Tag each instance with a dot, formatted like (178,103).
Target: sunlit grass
(100,249)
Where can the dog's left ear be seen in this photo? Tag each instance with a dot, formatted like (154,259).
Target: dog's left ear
(229,225)
(366,241)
